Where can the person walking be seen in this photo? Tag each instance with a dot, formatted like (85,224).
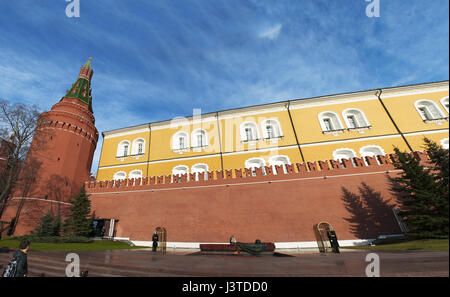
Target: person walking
(18,266)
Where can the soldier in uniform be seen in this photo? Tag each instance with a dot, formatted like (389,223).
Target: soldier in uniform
(155,239)
(333,240)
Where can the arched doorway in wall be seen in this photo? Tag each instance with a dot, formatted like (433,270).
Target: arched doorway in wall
(162,237)
(323,241)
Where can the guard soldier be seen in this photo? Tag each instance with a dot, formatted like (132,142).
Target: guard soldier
(333,240)
(155,239)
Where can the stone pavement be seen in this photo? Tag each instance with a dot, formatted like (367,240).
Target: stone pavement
(187,263)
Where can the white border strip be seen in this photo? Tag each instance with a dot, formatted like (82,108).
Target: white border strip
(278,245)
(426,132)
(249,183)
(40,199)
(126,133)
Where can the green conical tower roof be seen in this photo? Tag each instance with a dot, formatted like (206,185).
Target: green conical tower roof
(81,89)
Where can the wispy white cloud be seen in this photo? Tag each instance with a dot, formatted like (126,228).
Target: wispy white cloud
(271,33)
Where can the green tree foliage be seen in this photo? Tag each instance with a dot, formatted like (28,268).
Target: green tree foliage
(79,222)
(45,227)
(49,226)
(423,192)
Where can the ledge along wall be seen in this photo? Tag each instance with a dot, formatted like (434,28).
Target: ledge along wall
(282,208)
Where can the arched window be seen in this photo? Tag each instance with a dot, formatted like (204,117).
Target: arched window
(271,129)
(135,174)
(180,141)
(329,121)
(444,102)
(120,175)
(344,153)
(138,147)
(355,118)
(249,131)
(199,138)
(255,163)
(199,168)
(279,160)
(444,143)
(123,149)
(181,169)
(428,110)
(371,151)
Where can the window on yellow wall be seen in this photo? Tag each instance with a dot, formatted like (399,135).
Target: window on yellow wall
(123,149)
(255,163)
(355,119)
(444,102)
(180,141)
(135,174)
(119,175)
(428,110)
(249,132)
(271,129)
(327,124)
(344,153)
(138,147)
(330,122)
(199,138)
(200,168)
(279,160)
(371,151)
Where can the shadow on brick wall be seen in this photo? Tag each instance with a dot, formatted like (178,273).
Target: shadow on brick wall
(370,214)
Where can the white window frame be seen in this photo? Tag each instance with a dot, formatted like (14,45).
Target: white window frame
(329,115)
(336,152)
(443,143)
(176,141)
(196,171)
(180,166)
(194,140)
(272,161)
(254,128)
(120,149)
(276,126)
(361,150)
(135,146)
(364,154)
(250,161)
(174,174)
(119,172)
(417,105)
(133,172)
(354,112)
(443,103)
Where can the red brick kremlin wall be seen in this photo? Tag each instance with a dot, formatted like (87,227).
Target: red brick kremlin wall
(282,207)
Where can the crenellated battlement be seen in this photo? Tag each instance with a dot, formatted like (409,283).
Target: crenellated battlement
(68,127)
(316,169)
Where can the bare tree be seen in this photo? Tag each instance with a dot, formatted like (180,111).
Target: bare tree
(17,124)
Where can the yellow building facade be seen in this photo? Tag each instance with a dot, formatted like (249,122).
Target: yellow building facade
(339,126)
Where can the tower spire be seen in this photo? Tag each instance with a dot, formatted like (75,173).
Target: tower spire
(81,89)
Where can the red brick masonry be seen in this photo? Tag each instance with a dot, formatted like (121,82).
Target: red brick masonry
(272,207)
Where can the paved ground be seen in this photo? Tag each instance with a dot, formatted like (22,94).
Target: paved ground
(144,263)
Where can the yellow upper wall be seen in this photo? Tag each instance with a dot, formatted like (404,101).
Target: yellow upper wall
(232,130)
(403,111)
(225,133)
(111,155)
(162,138)
(308,126)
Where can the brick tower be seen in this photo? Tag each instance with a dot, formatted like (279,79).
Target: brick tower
(59,159)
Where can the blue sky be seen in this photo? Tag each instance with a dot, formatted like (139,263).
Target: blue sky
(156,60)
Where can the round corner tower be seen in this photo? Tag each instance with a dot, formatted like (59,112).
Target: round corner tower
(60,157)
